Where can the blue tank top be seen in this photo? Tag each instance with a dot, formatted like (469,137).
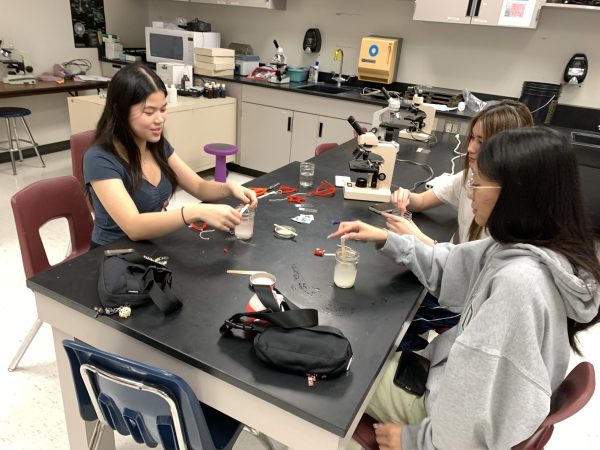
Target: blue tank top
(99,164)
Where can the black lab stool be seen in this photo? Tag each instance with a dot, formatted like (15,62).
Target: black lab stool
(10,114)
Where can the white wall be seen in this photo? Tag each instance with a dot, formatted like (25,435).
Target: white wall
(484,59)
(42,28)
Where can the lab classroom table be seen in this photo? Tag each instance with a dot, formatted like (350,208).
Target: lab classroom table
(223,371)
(49,87)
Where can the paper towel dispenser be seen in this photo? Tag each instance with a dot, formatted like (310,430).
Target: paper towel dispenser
(378,58)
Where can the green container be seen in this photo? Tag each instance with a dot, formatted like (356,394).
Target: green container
(297,73)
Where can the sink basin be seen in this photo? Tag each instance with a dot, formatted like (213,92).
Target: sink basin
(324,89)
(585,138)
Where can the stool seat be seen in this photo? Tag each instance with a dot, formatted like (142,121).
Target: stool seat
(13,111)
(218,149)
(221,151)
(13,142)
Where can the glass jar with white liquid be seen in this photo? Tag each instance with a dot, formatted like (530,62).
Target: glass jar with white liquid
(346,267)
(245,229)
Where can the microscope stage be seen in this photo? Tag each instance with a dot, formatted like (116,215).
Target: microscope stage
(351,192)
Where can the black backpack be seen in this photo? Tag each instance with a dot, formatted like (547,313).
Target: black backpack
(291,340)
(134,280)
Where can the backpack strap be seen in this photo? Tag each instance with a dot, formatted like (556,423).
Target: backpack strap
(159,282)
(296,318)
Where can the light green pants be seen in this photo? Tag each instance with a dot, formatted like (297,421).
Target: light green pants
(392,404)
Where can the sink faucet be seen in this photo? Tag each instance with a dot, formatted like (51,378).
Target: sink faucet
(338,55)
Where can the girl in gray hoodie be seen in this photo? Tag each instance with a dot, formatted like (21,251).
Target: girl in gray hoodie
(524,292)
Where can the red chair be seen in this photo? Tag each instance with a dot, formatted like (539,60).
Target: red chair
(322,148)
(80,142)
(572,395)
(34,206)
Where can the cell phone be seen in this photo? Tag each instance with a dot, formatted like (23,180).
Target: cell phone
(379,208)
(411,374)
(388,207)
(118,251)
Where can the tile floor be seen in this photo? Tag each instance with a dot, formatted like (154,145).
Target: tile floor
(31,416)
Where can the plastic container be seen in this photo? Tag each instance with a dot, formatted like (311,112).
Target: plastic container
(171,94)
(297,74)
(346,267)
(541,99)
(313,73)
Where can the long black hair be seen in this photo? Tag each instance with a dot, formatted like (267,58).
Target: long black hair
(130,86)
(540,202)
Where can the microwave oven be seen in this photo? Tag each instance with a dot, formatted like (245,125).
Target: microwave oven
(177,46)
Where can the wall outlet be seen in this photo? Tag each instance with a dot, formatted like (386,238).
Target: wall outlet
(451,127)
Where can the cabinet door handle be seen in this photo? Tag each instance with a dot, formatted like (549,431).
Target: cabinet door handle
(469,9)
(289,124)
(320,129)
(476,13)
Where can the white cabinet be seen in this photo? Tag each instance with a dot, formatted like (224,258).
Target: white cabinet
(310,130)
(191,124)
(522,14)
(279,127)
(266,137)
(267,4)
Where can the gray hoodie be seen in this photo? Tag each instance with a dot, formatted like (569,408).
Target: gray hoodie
(492,375)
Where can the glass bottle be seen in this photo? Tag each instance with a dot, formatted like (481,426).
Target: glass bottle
(346,267)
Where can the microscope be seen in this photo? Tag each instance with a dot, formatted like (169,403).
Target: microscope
(390,122)
(279,62)
(14,71)
(374,159)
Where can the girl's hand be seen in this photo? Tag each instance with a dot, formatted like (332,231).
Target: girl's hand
(221,217)
(389,435)
(244,194)
(360,231)
(400,225)
(401,199)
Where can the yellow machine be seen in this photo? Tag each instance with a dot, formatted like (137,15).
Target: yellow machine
(377,59)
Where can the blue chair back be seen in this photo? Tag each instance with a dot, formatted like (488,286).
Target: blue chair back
(150,404)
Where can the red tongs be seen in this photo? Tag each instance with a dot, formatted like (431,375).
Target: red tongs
(324,189)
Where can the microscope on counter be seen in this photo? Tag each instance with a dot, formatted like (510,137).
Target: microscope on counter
(390,121)
(376,160)
(279,63)
(13,69)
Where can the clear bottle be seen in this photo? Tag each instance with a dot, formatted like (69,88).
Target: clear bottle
(245,229)
(313,73)
(346,267)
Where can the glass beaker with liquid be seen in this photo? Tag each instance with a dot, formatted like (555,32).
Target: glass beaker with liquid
(346,267)
(245,229)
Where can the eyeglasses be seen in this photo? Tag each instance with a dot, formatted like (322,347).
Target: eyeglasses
(470,186)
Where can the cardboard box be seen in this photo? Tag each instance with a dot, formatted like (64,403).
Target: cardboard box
(171,73)
(214,52)
(220,66)
(215,59)
(212,73)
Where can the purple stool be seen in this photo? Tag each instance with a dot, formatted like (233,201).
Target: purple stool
(221,151)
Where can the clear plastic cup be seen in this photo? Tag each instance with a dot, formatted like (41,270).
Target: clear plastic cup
(245,229)
(307,173)
(346,267)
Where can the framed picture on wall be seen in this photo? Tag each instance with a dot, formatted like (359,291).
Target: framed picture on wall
(88,22)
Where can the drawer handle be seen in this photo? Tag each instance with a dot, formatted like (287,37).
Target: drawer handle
(320,129)
(289,124)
